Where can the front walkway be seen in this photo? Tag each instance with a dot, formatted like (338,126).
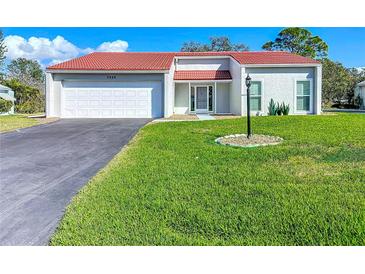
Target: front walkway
(205,117)
(196,117)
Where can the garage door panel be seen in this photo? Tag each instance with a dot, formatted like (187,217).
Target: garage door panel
(118,103)
(142,113)
(118,94)
(71,103)
(106,103)
(106,93)
(142,103)
(82,113)
(83,103)
(112,100)
(94,113)
(94,103)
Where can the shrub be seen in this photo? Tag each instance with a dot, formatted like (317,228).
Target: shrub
(5,105)
(272,108)
(278,109)
(285,108)
(28,99)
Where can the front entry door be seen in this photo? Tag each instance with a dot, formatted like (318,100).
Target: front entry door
(201,99)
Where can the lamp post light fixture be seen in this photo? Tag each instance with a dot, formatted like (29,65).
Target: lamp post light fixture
(248,85)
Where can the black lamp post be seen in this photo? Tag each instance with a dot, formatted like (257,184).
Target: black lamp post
(248,85)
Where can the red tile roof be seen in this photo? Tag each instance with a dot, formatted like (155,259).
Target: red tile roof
(163,60)
(271,57)
(202,75)
(118,61)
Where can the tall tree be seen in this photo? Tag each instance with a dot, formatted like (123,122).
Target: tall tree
(299,41)
(357,76)
(2,51)
(337,82)
(221,43)
(28,72)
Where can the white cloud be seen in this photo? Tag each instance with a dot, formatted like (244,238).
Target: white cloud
(117,45)
(48,51)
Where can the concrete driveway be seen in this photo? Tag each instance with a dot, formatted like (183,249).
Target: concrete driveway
(43,167)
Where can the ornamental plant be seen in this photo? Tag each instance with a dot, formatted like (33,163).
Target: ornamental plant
(5,105)
(285,108)
(272,108)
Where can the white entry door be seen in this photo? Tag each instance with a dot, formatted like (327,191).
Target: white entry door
(201,99)
(111,100)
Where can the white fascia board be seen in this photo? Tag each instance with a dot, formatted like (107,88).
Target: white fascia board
(203,57)
(107,71)
(279,65)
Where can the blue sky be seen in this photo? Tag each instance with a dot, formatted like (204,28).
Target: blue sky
(346,45)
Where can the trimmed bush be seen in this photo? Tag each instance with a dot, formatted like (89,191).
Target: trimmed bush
(28,99)
(5,105)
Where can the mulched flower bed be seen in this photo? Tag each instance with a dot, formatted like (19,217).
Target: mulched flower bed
(241,140)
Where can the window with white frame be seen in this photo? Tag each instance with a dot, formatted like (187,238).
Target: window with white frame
(192,99)
(256,96)
(210,98)
(303,96)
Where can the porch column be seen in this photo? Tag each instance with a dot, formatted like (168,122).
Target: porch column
(189,99)
(166,95)
(49,95)
(318,90)
(215,97)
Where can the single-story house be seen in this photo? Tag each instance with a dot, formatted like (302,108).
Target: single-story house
(360,91)
(7,93)
(160,84)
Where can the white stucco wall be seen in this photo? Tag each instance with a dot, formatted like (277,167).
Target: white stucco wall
(318,89)
(236,91)
(53,96)
(279,83)
(181,98)
(169,92)
(203,64)
(223,98)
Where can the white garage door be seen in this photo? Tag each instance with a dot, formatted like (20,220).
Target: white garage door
(111,100)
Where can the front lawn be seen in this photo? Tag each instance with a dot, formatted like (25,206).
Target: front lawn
(175,186)
(12,122)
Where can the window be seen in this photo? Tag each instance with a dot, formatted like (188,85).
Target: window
(192,99)
(210,99)
(255,96)
(303,95)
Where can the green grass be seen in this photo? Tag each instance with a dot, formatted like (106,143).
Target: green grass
(174,186)
(12,122)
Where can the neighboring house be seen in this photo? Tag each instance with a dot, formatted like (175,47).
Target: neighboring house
(160,84)
(7,94)
(360,90)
